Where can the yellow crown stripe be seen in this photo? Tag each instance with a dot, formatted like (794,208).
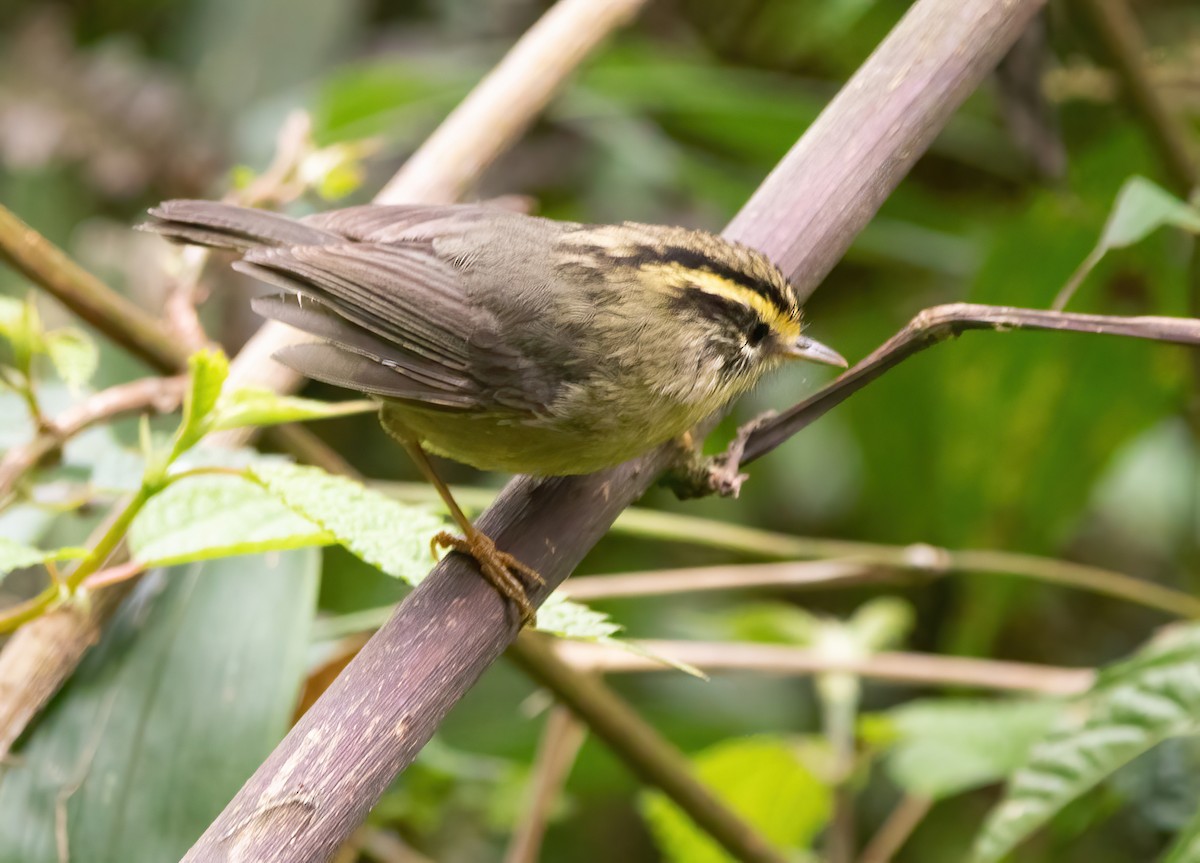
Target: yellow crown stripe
(778,320)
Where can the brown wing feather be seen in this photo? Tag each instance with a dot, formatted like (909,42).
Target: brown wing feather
(398,315)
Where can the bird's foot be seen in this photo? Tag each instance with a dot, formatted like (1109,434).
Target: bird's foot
(499,568)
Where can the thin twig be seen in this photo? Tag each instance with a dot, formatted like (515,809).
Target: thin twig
(562,736)
(643,749)
(672,582)
(900,824)
(936,324)
(158,395)
(920,669)
(869,564)
(184,296)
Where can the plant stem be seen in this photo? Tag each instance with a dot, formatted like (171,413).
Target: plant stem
(562,736)
(920,669)
(161,395)
(112,537)
(900,824)
(23,612)
(120,319)
(651,757)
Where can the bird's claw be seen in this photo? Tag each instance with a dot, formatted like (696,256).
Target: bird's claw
(499,568)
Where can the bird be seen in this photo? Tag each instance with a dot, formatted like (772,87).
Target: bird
(512,342)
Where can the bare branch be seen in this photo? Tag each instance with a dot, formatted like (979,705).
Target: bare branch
(561,738)
(654,760)
(900,824)
(670,582)
(869,563)
(159,395)
(939,323)
(1121,38)
(920,669)
(122,320)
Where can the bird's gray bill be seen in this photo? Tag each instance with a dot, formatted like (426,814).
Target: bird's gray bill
(805,348)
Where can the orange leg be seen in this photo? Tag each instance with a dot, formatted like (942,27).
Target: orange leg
(499,568)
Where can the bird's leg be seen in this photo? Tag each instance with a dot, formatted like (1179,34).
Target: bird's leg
(499,568)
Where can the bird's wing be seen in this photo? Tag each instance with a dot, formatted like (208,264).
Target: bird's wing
(399,322)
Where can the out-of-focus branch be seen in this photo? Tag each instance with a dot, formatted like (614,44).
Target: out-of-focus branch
(562,736)
(326,774)
(654,760)
(900,824)
(920,669)
(122,320)
(159,395)
(1120,38)
(875,564)
(934,325)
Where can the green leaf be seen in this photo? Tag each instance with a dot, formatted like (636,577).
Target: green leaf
(760,778)
(383,532)
(943,747)
(1186,848)
(74,355)
(881,623)
(14,555)
(185,695)
(562,617)
(1140,209)
(251,406)
(1133,706)
(21,327)
(209,369)
(203,517)
(774,623)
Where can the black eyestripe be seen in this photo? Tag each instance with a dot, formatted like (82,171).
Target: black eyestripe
(694,259)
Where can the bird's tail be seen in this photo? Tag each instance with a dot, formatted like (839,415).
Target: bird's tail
(227,226)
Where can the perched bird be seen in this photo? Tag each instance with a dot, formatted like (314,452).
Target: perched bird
(511,342)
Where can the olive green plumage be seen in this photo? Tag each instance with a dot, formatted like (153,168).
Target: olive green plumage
(512,342)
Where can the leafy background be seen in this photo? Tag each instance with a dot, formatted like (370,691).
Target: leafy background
(1060,445)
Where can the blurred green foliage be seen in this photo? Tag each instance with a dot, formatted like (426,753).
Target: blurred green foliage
(1056,444)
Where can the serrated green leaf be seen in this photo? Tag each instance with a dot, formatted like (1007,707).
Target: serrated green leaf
(208,516)
(942,747)
(1135,705)
(760,778)
(562,617)
(383,532)
(74,355)
(251,406)
(15,555)
(208,368)
(190,687)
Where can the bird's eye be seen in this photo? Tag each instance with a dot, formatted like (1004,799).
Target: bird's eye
(760,332)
